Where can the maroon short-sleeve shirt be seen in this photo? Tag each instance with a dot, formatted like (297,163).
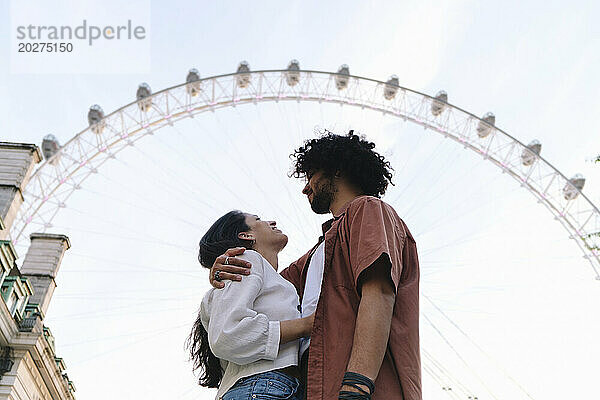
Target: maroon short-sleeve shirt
(365,229)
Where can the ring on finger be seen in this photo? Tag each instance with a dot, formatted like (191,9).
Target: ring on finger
(217,276)
(226,260)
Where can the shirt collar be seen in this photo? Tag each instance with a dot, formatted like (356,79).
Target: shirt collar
(327,224)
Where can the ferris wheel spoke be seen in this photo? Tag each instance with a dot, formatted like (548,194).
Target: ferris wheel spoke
(285,185)
(112,337)
(165,210)
(175,184)
(109,311)
(194,163)
(452,386)
(131,343)
(135,292)
(131,238)
(460,357)
(112,224)
(251,178)
(451,217)
(137,206)
(235,160)
(478,347)
(402,192)
(422,201)
(174,177)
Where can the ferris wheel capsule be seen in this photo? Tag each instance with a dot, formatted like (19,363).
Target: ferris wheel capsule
(439,103)
(342,77)
(573,187)
(531,153)
(193,86)
(485,125)
(50,147)
(391,87)
(96,119)
(243,76)
(292,75)
(143,96)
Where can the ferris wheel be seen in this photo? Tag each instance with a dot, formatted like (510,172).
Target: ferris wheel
(66,167)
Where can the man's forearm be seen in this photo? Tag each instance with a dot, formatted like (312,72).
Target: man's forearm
(294,328)
(373,323)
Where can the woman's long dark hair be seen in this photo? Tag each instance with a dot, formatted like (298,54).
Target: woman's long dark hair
(222,235)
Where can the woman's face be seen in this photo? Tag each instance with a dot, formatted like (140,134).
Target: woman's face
(265,233)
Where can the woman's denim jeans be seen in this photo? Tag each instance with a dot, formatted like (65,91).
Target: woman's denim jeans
(272,385)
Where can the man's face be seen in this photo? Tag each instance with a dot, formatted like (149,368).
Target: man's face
(320,191)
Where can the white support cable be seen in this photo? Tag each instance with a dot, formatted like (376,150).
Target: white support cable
(449,217)
(250,177)
(193,163)
(127,335)
(422,206)
(113,224)
(439,380)
(269,159)
(107,312)
(479,379)
(463,239)
(453,382)
(506,374)
(212,174)
(132,343)
(137,206)
(434,154)
(285,185)
(132,238)
(178,194)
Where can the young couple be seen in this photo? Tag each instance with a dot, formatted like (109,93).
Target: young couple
(341,322)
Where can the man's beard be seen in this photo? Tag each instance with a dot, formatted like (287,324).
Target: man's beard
(323,197)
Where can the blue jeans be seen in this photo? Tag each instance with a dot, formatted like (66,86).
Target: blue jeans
(272,385)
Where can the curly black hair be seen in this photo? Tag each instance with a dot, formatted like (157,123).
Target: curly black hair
(350,155)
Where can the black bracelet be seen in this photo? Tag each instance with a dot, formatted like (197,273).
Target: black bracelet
(354,379)
(344,395)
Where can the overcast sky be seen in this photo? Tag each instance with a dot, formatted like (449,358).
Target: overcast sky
(509,307)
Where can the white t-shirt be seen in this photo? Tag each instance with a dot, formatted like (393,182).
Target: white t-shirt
(312,288)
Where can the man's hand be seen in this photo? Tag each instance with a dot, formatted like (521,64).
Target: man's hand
(293,329)
(233,270)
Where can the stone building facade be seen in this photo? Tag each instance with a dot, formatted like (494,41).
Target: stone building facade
(29,366)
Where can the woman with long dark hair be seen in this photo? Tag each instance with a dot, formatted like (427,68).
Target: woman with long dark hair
(244,340)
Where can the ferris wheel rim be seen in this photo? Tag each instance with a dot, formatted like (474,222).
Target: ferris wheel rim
(362,103)
(358,77)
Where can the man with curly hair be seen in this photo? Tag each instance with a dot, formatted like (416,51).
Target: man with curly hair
(361,279)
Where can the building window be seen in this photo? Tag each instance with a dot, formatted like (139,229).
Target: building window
(21,305)
(12,303)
